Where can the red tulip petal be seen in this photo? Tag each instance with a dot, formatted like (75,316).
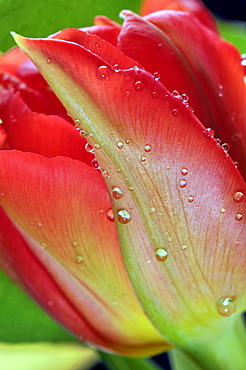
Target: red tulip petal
(10,61)
(97,45)
(37,133)
(61,205)
(187,56)
(101,20)
(107,33)
(195,7)
(178,188)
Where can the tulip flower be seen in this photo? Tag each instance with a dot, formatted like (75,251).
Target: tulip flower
(134,229)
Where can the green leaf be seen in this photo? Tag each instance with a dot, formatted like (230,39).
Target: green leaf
(41,18)
(21,320)
(114,362)
(235,32)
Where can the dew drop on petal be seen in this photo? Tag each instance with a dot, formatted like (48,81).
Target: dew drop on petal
(103,73)
(238,197)
(83,133)
(239,216)
(222,210)
(105,174)
(117,192)
(95,164)
(120,144)
(182,183)
(110,215)
(191,199)
(161,254)
(74,244)
(138,85)
(152,210)
(226,147)
(48,60)
(175,93)
(174,112)
(143,159)
(184,98)
(225,306)
(89,148)
(131,188)
(167,167)
(44,246)
(39,225)
(96,146)
(147,148)
(127,94)
(184,171)
(208,133)
(154,94)
(183,247)
(124,216)
(156,76)
(79,259)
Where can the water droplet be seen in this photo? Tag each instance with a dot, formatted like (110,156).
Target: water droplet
(166,97)
(154,94)
(226,147)
(96,146)
(143,159)
(157,76)
(110,215)
(184,171)
(218,141)
(183,247)
(44,246)
(116,67)
(48,60)
(167,167)
(103,73)
(105,174)
(222,210)
(161,254)
(39,225)
(77,122)
(208,133)
(239,216)
(175,93)
(184,98)
(97,45)
(95,164)
(127,94)
(79,259)
(174,112)
(236,164)
(182,183)
(138,85)
(89,148)
(221,91)
(225,306)
(117,192)
(74,243)
(123,216)
(152,210)
(127,141)
(120,145)
(238,197)
(147,148)
(191,199)
(83,133)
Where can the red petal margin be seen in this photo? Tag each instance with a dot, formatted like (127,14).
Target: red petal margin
(195,7)
(187,57)
(178,189)
(60,207)
(33,132)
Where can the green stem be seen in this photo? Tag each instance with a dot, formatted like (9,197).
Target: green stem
(226,352)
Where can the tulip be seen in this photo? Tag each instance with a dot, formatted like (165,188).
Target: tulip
(148,98)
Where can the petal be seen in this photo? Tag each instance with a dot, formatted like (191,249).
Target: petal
(195,7)
(95,44)
(187,56)
(38,133)
(178,189)
(60,206)
(10,61)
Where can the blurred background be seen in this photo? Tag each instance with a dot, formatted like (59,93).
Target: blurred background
(228,9)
